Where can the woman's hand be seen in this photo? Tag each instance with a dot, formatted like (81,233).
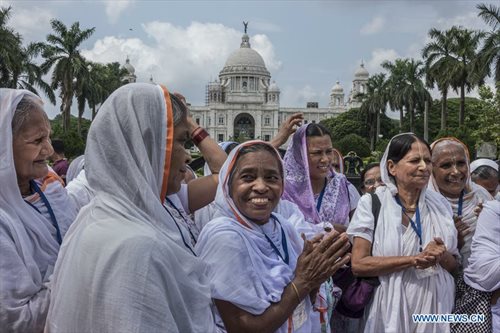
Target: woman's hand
(432,254)
(462,229)
(320,259)
(287,128)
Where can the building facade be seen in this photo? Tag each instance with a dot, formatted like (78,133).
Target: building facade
(243,103)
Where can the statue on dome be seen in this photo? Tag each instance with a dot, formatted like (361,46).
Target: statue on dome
(246,26)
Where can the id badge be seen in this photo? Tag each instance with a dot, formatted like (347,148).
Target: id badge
(299,316)
(425,273)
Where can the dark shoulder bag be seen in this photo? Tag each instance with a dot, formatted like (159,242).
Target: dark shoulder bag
(357,291)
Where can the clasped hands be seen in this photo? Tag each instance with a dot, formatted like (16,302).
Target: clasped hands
(431,255)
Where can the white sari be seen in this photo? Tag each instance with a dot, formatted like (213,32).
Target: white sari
(28,241)
(401,294)
(123,266)
(244,268)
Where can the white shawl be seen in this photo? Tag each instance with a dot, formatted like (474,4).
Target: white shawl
(28,248)
(243,267)
(402,294)
(123,266)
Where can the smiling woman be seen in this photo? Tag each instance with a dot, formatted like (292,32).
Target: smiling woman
(35,212)
(262,279)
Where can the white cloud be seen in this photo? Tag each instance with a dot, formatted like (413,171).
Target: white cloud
(292,96)
(29,21)
(378,56)
(114,8)
(374,26)
(183,58)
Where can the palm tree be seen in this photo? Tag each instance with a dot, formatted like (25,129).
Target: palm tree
(31,74)
(439,64)
(489,55)
(62,52)
(374,103)
(10,48)
(464,46)
(406,88)
(394,83)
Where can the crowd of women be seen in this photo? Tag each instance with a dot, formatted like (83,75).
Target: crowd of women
(261,243)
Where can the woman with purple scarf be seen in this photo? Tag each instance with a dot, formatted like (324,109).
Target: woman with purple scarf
(323,195)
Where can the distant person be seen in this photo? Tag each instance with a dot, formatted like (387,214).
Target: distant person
(61,164)
(370,178)
(484,172)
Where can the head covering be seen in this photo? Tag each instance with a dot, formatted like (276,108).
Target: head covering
(75,167)
(123,265)
(473,196)
(27,244)
(483,162)
(391,238)
(335,205)
(243,267)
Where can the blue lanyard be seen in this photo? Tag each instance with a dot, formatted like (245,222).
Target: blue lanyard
(460,203)
(34,185)
(417,226)
(320,199)
(283,243)
(179,228)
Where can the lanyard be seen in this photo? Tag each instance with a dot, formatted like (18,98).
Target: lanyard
(184,218)
(53,219)
(320,198)
(179,228)
(283,243)
(460,203)
(417,226)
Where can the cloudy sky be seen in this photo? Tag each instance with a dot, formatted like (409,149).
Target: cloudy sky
(307,45)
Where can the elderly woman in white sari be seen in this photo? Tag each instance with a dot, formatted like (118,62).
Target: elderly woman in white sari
(35,212)
(126,264)
(451,178)
(414,243)
(262,280)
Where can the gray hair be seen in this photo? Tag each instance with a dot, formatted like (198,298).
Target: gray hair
(179,109)
(484,172)
(23,112)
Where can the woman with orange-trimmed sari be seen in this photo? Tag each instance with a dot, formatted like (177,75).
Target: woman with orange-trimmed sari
(35,212)
(126,264)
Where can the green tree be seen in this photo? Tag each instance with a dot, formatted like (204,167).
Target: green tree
(61,51)
(353,142)
(439,63)
(489,55)
(465,43)
(74,144)
(406,88)
(10,47)
(374,104)
(487,112)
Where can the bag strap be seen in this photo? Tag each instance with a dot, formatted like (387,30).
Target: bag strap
(376,204)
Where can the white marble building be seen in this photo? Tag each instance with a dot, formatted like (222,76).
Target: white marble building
(244,103)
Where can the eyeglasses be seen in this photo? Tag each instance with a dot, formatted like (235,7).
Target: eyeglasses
(371,182)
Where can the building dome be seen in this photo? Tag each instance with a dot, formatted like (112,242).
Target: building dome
(245,60)
(130,69)
(337,88)
(361,72)
(273,87)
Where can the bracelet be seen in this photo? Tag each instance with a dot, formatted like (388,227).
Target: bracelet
(199,136)
(195,130)
(296,291)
